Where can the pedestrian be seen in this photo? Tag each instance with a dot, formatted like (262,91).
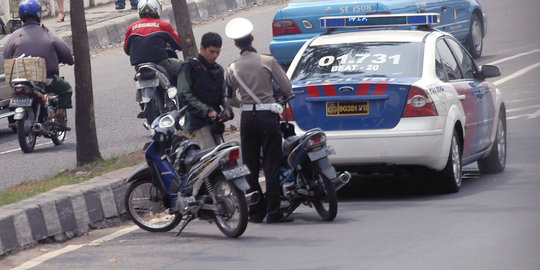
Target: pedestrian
(34,39)
(121,4)
(252,75)
(61,15)
(148,39)
(201,84)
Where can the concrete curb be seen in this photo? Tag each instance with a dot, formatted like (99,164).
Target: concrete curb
(64,212)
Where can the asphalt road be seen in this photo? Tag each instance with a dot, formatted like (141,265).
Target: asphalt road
(383,222)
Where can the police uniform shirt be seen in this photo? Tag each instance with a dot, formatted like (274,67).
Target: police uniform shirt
(257,71)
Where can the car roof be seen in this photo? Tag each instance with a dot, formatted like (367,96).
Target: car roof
(370,36)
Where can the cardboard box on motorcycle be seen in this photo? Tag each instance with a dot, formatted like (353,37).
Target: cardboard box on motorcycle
(31,68)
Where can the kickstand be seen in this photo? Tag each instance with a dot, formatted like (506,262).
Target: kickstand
(186,221)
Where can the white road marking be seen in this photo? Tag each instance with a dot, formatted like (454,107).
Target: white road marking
(516,74)
(18,149)
(526,116)
(512,57)
(37,261)
(523,108)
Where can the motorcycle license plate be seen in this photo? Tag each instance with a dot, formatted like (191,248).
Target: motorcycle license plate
(321,153)
(236,172)
(147,83)
(20,102)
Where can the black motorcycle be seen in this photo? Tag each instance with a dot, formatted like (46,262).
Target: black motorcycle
(155,93)
(35,114)
(306,175)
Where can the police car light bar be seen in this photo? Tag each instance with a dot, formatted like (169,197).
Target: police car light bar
(380,20)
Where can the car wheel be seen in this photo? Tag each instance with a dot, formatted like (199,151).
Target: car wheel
(449,179)
(475,42)
(495,162)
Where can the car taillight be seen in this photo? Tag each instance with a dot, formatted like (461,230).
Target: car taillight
(419,104)
(284,27)
(316,140)
(287,115)
(19,90)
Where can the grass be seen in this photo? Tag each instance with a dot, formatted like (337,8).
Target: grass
(28,189)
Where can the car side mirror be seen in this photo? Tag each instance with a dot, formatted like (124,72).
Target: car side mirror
(489,71)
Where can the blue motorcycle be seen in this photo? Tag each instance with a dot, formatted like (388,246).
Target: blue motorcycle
(181,181)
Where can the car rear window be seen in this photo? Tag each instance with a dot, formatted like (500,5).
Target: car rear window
(392,59)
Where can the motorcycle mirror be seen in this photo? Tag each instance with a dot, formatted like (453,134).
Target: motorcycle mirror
(171,92)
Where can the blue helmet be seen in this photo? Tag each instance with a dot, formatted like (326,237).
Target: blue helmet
(30,8)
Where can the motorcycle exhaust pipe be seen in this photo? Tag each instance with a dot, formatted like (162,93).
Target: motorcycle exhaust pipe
(253,198)
(342,180)
(38,128)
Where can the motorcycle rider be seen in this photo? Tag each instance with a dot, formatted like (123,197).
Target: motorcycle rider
(35,40)
(148,39)
(201,83)
(252,74)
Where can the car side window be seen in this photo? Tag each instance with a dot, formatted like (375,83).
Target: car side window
(464,60)
(439,69)
(451,68)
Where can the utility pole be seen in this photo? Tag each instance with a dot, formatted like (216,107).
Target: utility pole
(184,29)
(85,122)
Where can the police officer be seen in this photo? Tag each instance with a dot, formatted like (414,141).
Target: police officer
(252,75)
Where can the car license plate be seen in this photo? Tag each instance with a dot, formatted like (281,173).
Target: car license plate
(236,172)
(147,83)
(20,102)
(346,108)
(321,153)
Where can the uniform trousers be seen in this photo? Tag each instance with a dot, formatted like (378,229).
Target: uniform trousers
(259,130)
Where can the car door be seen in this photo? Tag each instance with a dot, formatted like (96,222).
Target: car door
(455,17)
(483,101)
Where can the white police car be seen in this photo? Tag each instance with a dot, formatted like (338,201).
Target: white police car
(399,97)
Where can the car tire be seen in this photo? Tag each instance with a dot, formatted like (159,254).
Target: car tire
(475,41)
(495,162)
(450,178)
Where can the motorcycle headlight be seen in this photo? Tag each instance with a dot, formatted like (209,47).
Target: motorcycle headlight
(166,121)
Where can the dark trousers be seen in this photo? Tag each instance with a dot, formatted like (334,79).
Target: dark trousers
(260,130)
(62,88)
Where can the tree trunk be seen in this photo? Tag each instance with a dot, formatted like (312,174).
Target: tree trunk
(183,26)
(85,123)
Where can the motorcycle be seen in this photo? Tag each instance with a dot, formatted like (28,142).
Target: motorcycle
(35,114)
(306,175)
(155,93)
(181,181)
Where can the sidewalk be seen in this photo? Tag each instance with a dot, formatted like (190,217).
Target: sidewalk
(69,211)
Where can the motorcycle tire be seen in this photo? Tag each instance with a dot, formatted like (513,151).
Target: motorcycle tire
(144,205)
(59,136)
(27,139)
(327,205)
(232,218)
(152,110)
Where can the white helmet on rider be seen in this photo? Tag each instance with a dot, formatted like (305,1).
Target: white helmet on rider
(149,8)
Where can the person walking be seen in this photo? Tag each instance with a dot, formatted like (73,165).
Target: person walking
(201,83)
(61,15)
(252,76)
(121,4)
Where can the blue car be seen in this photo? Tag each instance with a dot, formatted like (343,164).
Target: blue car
(293,25)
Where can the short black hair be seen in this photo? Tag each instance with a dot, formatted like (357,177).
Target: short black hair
(244,42)
(211,39)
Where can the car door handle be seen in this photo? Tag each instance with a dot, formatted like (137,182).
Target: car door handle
(461,97)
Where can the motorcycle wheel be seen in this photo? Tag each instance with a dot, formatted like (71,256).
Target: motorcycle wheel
(232,217)
(152,110)
(144,205)
(59,136)
(326,206)
(27,139)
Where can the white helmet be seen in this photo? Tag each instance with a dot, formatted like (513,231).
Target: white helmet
(149,8)
(238,28)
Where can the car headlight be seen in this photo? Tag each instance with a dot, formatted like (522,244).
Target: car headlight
(166,121)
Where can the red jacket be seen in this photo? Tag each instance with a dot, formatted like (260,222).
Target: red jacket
(146,40)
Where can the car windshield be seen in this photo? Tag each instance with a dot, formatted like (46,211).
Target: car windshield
(391,59)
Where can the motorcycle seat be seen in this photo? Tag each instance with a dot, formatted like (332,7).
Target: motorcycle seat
(194,155)
(289,143)
(153,65)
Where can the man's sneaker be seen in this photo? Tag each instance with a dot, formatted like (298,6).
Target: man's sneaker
(61,123)
(119,7)
(141,115)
